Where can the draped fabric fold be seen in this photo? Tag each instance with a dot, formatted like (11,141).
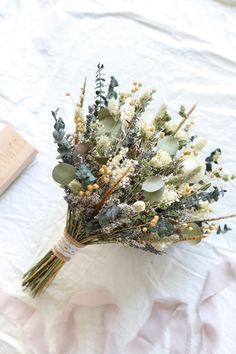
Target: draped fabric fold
(218,278)
(28,317)
(166,312)
(171,313)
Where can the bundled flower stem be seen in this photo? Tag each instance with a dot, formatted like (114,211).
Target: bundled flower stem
(129,179)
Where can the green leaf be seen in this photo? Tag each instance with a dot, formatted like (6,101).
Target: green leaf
(168,144)
(108,216)
(104,113)
(91,226)
(63,173)
(102,160)
(110,126)
(152,184)
(185,232)
(153,197)
(85,176)
(163,229)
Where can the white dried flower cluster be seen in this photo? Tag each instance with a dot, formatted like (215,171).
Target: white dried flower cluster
(118,158)
(113,106)
(147,130)
(145,96)
(103,144)
(139,206)
(119,171)
(127,113)
(161,159)
(169,196)
(182,136)
(170,127)
(119,165)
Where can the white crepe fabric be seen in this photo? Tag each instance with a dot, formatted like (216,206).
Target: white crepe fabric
(186,49)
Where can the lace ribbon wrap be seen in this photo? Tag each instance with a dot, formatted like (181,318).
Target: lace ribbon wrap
(66,247)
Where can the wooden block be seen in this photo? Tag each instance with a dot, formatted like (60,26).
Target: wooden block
(15,155)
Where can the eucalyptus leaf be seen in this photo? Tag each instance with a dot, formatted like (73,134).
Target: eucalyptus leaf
(109,125)
(63,173)
(196,231)
(91,226)
(102,160)
(168,144)
(104,113)
(163,229)
(85,176)
(152,184)
(108,216)
(58,135)
(153,197)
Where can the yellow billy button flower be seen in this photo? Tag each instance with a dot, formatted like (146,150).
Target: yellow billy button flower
(87,193)
(90,187)
(153,222)
(187,152)
(95,186)
(144,229)
(162,134)
(214,226)
(205,227)
(81,193)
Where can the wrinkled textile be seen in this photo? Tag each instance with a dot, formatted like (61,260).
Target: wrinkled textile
(167,312)
(187,50)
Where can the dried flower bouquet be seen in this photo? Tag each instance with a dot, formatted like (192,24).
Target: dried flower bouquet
(129,180)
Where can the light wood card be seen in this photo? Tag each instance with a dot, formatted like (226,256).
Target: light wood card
(15,154)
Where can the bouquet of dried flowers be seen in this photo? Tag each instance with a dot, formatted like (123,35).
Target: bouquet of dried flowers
(128,179)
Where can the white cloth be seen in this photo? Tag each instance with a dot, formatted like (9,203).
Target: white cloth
(186,49)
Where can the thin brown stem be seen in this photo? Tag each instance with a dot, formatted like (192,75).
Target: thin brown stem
(184,119)
(109,192)
(193,238)
(217,218)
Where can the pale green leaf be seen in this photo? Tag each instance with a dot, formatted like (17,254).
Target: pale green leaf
(168,144)
(152,184)
(63,173)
